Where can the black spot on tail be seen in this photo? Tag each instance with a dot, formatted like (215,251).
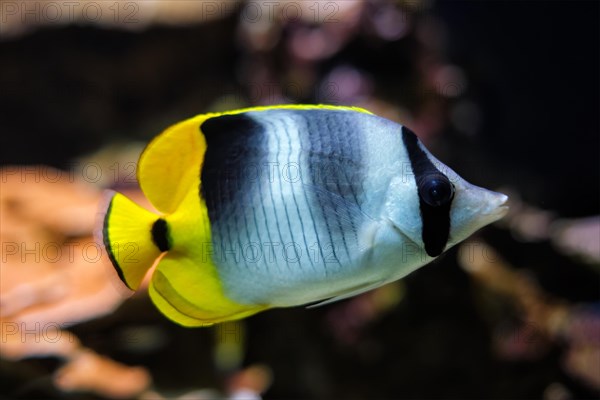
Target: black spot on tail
(160,232)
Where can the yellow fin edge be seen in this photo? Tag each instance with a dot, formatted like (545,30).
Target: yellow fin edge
(289,107)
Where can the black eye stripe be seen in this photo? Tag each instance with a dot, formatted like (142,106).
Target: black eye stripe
(435,219)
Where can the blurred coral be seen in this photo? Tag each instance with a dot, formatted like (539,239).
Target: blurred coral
(53,270)
(21,17)
(527,223)
(55,275)
(545,318)
(577,237)
(306,36)
(250,383)
(88,371)
(349,319)
(246,384)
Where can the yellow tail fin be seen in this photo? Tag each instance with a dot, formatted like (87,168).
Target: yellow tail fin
(133,238)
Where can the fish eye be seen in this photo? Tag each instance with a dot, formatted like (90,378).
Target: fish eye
(436,190)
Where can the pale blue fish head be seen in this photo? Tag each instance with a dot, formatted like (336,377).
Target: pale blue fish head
(471,207)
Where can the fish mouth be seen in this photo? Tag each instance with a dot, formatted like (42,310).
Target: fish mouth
(498,207)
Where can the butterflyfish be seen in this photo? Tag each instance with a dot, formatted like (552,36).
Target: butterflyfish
(282,206)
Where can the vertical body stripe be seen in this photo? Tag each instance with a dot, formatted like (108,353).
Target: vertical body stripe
(298,217)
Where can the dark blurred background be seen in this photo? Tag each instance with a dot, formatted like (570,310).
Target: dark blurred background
(506,93)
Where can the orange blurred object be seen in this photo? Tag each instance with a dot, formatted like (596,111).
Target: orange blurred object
(54,275)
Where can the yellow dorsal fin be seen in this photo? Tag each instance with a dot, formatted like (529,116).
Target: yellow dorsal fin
(171,162)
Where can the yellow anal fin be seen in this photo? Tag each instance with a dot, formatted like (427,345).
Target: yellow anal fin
(189,293)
